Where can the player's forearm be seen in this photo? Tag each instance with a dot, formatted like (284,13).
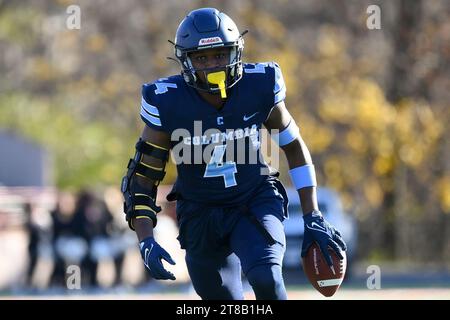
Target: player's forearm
(145,182)
(298,155)
(143,228)
(139,187)
(308,199)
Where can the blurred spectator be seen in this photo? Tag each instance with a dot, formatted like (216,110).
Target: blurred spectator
(98,228)
(121,240)
(64,240)
(34,237)
(86,234)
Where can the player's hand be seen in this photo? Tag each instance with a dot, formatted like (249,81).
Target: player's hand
(319,230)
(152,253)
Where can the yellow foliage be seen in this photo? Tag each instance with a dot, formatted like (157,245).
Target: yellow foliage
(268,25)
(112,85)
(334,108)
(64,2)
(443,191)
(65,51)
(373,193)
(318,137)
(417,131)
(353,170)
(330,44)
(321,138)
(333,172)
(356,141)
(347,200)
(433,127)
(41,70)
(358,103)
(67,40)
(96,43)
(371,107)
(385,143)
(383,165)
(404,122)
(412,154)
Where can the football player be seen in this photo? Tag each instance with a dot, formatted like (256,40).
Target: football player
(229,209)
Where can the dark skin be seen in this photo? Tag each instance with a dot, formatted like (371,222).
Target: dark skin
(296,152)
(212,58)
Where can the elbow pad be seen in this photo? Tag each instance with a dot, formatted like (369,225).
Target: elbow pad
(140,201)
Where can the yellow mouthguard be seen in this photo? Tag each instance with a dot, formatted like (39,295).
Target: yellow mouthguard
(219,79)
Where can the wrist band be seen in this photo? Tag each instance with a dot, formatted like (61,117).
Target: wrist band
(289,134)
(304,176)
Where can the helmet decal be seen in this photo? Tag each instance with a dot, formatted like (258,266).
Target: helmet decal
(208,41)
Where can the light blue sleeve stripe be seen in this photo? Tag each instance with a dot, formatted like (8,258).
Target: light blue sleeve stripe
(149,108)
(280,96)
(280,88)
(153,120)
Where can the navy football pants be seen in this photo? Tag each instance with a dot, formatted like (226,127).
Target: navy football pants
(220,242)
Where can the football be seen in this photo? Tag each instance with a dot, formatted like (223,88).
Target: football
(326,280)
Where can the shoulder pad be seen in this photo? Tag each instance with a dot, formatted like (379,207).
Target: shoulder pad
(156,97)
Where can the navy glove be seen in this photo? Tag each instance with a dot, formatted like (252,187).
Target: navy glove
(319,230)
(152,253)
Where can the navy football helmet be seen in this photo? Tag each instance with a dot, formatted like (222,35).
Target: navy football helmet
(207,28)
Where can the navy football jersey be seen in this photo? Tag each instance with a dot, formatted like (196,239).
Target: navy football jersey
(217,152)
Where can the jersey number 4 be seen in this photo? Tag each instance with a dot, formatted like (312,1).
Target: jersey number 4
(217,168)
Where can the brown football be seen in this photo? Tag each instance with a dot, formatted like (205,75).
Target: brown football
(325,279)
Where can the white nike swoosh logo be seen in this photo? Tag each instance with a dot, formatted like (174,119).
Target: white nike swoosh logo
(318,226)
(147,253)
(249,117)
(321,229)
